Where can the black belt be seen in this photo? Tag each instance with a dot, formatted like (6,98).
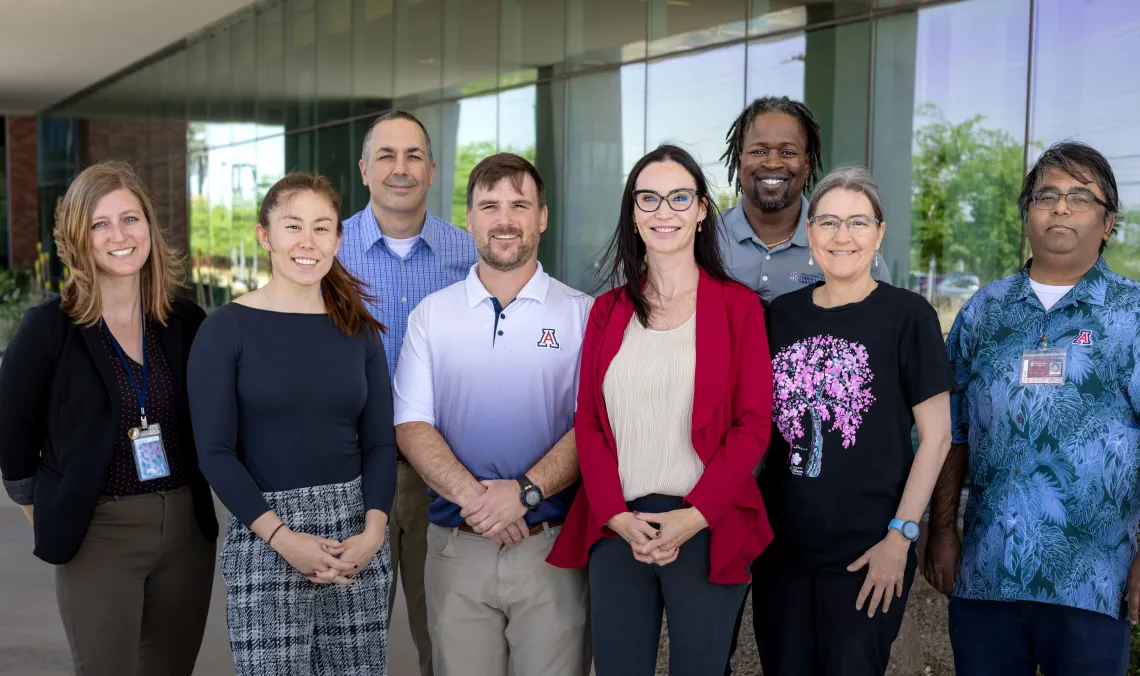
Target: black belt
(534,530)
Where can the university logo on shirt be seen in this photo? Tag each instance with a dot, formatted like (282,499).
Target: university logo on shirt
(804,278)
(548,339)
(1084,338)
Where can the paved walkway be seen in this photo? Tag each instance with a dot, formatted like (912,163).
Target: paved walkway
(31,637)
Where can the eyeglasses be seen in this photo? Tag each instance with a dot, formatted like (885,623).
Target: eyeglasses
(679,200)
(1077,202)
(856,225)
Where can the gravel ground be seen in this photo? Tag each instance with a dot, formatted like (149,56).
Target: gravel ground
(926,607)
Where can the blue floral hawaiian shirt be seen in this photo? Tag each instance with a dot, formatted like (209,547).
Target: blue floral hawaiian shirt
(1054,502)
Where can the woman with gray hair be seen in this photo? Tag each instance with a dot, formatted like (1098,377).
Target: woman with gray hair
(856,364)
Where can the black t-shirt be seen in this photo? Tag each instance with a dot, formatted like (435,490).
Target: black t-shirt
(845,379)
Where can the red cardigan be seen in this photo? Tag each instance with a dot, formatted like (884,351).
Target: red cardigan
(732,419)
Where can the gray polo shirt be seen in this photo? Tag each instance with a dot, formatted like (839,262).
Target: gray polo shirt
(780,270)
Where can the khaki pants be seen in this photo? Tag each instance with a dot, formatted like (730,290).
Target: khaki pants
(134,599)
(407,536)
(495,610)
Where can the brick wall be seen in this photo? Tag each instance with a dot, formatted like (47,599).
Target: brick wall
(157,151)
(23,191)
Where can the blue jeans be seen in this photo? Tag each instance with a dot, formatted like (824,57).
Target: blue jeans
(1002,638)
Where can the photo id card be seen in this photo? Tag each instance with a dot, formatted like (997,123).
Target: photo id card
(150,454)
(1043,367)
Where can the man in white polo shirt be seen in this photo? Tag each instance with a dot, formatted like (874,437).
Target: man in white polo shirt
(485,391)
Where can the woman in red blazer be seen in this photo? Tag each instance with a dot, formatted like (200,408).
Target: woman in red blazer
(674,414)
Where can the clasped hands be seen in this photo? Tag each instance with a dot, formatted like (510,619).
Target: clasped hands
(657,538)
(496,512)
(325,561)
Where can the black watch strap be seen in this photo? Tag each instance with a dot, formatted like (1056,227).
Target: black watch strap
(528,487)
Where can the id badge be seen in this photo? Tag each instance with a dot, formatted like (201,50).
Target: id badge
(150,454)
(1043,367)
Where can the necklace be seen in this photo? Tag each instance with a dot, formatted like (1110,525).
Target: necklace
(773,246)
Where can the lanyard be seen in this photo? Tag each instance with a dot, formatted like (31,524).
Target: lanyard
(140,393)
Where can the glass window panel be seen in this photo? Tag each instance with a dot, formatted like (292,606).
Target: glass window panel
(198,81)
(175,100)
(948,150)
(601,32)
(244,199)
(769,16)
(532,40)
(357,196)
(243,50)
(677,26)
(334,59)
(336,161)
(1080,93)
(300,63)
(153,78)
(299,151)
(419,50)
(271,65)
(221,77)
(837,66)
(197,185)
(470,46)
(605,137)
(678,109)
(776,67)
(476,137)
(373,54)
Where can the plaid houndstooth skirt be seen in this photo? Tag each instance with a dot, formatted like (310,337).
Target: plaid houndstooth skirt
(280,623)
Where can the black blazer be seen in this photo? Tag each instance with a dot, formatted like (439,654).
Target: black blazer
(58,419)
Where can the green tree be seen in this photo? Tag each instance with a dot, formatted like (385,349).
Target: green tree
(1123,250)
(966,180)
(466,157)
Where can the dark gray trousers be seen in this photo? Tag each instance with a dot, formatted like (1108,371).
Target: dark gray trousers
(134,599)
(627,598)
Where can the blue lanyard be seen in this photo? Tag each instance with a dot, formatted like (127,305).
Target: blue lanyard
(140,393)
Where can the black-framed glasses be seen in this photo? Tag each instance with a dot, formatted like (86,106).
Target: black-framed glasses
(856,225)
(679,200)
(1077,202)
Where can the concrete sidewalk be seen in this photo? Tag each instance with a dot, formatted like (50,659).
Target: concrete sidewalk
(32,642)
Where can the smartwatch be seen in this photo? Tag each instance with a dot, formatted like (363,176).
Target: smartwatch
(909,529)
(530,496)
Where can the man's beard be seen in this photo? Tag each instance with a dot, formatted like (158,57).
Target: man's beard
(777,204)
(523,253)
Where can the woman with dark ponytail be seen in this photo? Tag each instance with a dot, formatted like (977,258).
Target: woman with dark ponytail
(292,414)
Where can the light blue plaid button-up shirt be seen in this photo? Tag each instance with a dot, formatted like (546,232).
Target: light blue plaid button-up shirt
(441,256)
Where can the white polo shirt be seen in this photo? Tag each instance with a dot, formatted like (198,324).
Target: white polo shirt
(500,386)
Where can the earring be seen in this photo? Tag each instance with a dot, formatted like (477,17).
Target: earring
(876,258)
(811,261)
(698,228)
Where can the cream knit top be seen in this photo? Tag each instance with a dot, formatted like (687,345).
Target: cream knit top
(649,398)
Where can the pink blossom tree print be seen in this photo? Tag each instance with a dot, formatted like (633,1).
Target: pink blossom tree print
(829,378)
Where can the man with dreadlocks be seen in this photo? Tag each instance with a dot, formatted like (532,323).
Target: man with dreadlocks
(774,155)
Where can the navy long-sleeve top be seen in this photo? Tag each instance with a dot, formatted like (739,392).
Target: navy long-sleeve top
(280,401)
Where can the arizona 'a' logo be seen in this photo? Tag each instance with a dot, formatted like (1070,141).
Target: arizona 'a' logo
(1085,338)
(548,339)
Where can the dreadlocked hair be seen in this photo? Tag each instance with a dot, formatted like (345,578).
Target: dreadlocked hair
(772,104)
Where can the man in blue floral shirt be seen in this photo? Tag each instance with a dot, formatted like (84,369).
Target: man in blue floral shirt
(1045,420)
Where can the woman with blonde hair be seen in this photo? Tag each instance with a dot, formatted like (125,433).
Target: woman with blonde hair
(293,416)
(95,438)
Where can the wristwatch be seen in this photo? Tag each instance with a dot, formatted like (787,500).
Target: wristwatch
(531,496)
(909,529)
